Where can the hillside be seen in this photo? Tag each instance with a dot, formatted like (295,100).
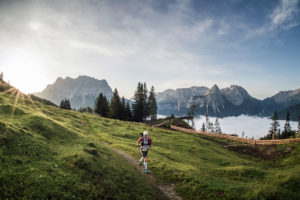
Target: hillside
(294,113)
(46,152)
(49,153)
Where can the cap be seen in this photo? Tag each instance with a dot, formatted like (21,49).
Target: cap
(145,133)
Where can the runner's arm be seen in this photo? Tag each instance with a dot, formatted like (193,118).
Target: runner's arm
(138,142)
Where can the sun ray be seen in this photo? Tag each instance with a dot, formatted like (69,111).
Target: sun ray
(9,90)
(33,103)
(13,92)
(23,98)
(15,104)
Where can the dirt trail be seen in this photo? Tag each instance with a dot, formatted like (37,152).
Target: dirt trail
(167,190)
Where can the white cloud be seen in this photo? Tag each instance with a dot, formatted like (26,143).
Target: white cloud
(285,15)
(125,42)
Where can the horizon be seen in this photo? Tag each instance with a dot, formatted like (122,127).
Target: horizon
(168,44)
(148,86)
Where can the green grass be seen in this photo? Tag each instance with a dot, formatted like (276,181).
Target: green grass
(50,156)
(46,151)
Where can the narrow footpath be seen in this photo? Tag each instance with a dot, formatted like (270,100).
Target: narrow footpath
(167,190)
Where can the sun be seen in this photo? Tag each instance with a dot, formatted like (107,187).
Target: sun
(35,26)
(24,70)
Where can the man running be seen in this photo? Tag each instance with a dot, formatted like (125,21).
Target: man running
(145,146)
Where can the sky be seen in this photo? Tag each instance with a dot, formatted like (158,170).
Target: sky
(166,43)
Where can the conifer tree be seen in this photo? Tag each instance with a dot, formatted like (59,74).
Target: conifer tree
(217,127)
(128,112)
(152,105)
(275,127)
(203,127)
(287,132)
(115,106)
(145,102)
(139,106)
(65,104)
(101,105)
(123,110)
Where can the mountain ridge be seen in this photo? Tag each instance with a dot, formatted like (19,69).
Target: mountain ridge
(81,91)
(230,101)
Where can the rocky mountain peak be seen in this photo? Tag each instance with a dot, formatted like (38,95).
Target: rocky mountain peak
(82,91)
(214,90)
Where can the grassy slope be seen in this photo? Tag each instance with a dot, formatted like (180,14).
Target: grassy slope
(35,140)
(47,153)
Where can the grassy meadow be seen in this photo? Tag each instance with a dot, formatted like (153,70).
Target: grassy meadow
(50,153)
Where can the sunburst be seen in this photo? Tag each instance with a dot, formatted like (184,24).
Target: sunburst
(15,104)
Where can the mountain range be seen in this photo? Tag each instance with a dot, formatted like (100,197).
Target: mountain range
(229,101)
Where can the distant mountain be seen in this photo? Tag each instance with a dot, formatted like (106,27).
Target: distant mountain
(294,113)
(81,91)
(230,101)
(175,101)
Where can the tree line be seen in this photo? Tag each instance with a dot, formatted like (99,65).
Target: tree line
(211,127)
(276,133)
(144,106)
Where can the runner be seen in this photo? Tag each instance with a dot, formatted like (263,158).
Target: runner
(146,144)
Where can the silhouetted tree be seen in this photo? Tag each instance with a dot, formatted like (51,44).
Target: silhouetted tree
(101,105)
(145,101)
(287,132)
(123,110)
(115,106)
(275,127)
(203,127)
(65,104)
(128,112)
(152,105)
(140,104)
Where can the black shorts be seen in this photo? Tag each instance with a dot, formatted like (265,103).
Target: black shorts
(144,153)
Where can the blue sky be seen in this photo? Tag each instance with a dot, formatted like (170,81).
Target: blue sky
(168,44)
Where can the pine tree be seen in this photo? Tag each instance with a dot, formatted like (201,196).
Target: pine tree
(152,105)
(287,132)
(203,127)
(211,127)
(115,106)
(101,105)
(275,127)
(65,104)
(217,127)
(128,112)
(123,110)
(145,102)
(139,106)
